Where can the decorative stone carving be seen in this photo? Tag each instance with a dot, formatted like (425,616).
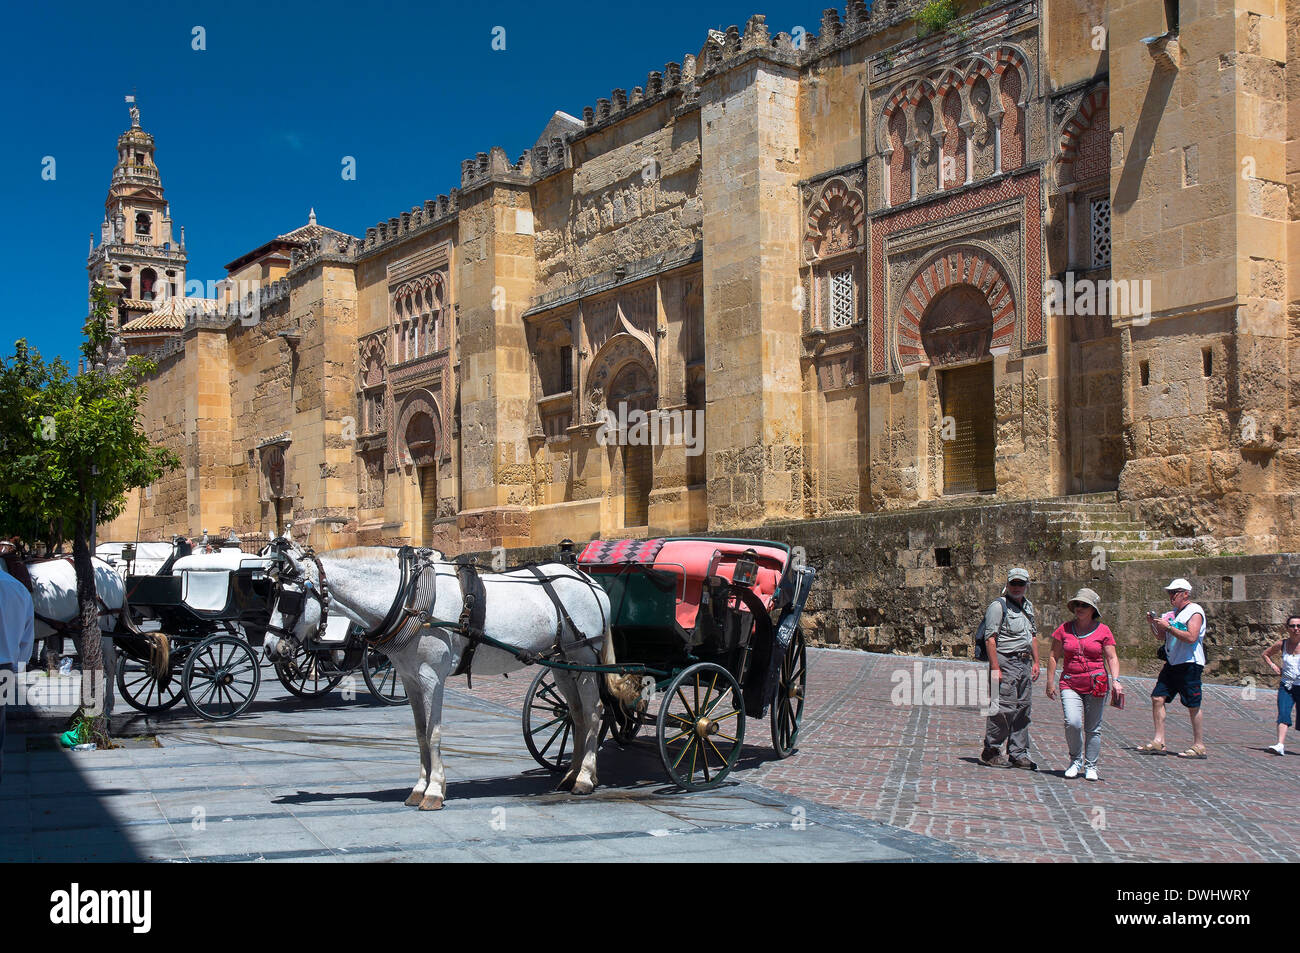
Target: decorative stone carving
(835,221)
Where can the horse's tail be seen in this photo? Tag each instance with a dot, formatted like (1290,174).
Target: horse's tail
(625,688)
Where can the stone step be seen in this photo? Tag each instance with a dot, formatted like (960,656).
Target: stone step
(1101,527)
(1122,536)
(1133,546)
(1120,557)
(1080,508)
(1106,517)
(1102,496)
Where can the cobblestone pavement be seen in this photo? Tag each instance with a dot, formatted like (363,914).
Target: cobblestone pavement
(916,767)
(325,780)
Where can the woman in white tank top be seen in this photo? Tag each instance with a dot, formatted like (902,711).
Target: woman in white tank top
(1288,692)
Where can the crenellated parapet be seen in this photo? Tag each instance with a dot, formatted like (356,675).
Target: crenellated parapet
(339,248)
(494,166)
(551,157)
(432,214)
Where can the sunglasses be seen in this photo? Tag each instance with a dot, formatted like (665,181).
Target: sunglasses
(1293,625)
(1017,583)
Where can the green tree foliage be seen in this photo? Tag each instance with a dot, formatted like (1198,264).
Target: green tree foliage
(73,449)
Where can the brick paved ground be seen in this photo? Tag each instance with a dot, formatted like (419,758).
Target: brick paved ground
(915,767)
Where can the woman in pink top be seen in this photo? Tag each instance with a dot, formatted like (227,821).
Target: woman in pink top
(1087,648)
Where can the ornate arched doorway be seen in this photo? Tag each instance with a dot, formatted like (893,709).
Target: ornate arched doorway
(421,443)
(632,388)
(956,332)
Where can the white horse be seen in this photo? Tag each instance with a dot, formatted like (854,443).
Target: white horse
(362,583)
(54,595)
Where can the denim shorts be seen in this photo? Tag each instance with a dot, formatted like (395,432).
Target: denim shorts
(1181,680)
(1287,699)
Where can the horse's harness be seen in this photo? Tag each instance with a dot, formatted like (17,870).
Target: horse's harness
(413,609)
(16,566)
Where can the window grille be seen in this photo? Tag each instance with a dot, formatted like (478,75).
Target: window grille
(841,315)
(1100,222)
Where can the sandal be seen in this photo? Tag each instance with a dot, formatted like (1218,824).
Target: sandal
(1151,747)
(1195,751)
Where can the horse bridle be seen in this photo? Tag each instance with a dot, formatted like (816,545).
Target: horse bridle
(318,591)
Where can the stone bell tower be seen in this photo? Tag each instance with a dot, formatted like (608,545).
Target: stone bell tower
(138,259)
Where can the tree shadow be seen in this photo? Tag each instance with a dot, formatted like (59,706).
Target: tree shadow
(74,824)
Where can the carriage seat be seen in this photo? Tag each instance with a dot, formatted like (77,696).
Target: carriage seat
(206,590)
(692,558)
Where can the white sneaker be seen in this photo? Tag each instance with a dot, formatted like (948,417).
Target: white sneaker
(1073,770)
(1091,774)
(1277,748)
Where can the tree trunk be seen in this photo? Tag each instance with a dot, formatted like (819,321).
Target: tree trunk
(93,686)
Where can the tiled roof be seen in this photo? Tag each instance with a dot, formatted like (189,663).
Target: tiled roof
(305,233)
(169,314)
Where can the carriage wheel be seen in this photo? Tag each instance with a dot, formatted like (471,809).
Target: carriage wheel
(701,726)
(382,679)
(138,684)
(221,677)
(787,706)
(308,674)
(548,728)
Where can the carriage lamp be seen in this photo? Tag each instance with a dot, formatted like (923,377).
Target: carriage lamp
(567,555)
(746,573)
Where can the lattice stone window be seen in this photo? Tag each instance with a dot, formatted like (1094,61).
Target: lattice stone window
(1099,219)
(841,301)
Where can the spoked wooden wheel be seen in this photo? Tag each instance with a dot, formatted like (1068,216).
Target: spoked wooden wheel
(382,678)
(701,726)
(787,706)
(221,677)
(308,674)
(548,728)
(141,685)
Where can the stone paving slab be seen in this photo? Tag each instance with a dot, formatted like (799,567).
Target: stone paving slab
(291,781)
(872,781)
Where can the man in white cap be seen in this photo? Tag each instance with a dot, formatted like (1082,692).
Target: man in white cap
(1184,632)
(1011,640)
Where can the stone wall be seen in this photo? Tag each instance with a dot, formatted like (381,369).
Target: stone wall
(882,584)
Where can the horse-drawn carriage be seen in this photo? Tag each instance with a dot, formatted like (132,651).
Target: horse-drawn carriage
(711,626)
(197,624)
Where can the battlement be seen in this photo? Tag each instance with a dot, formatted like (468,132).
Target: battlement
(433,213)
(681,79)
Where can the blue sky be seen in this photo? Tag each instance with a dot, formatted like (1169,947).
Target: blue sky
(251,132)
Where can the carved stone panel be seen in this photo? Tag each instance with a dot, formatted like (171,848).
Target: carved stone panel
(836,219)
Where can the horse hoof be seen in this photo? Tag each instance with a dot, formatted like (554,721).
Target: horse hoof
(431,803)
(414,798)
(585,787)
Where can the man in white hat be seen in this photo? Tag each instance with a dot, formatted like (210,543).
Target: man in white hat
(1184,631)
(1011,640)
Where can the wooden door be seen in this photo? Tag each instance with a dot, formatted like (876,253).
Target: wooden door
(967,396)
(638,465)
(428,503)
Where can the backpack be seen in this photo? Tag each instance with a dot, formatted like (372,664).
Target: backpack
(981,653)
